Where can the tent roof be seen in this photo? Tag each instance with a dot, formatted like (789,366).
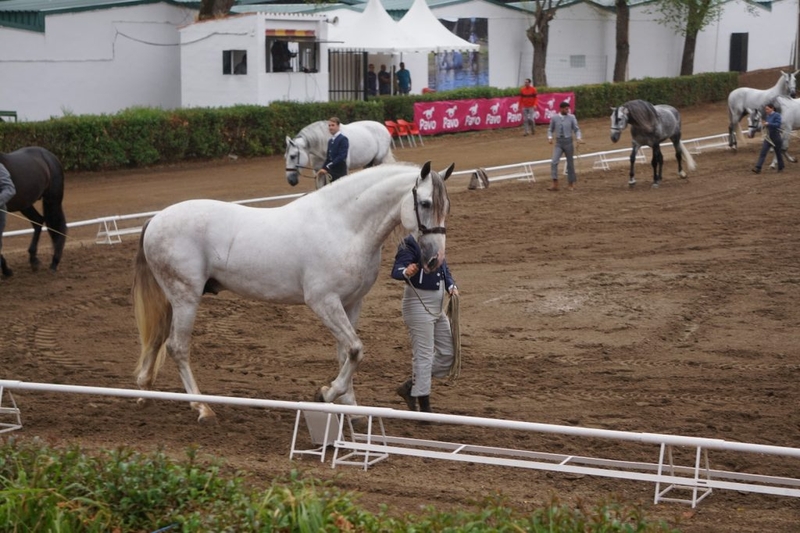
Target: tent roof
(375,31)
(428,31)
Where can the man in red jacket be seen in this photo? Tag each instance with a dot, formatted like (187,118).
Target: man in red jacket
(528,101)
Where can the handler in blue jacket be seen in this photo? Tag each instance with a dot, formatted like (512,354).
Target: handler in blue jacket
(773,139)
(338,147)
(428,325)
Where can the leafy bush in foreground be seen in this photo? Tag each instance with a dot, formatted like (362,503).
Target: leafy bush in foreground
(45,489)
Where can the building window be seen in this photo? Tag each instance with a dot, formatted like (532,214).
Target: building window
(577,61)
(234,61)
(292,53)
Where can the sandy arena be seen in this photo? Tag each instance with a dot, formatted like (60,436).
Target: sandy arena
(670,310)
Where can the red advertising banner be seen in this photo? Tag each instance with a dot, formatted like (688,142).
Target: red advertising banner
(484,113)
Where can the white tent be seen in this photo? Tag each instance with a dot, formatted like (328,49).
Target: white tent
(375,31)
(429,32)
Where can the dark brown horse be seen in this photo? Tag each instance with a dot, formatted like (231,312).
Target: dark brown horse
(37,174)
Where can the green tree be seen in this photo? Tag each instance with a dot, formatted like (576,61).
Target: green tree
(538,34)
(212,9)
(688,18)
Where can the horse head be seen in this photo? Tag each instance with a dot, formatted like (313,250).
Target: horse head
(753,122)
(789,82)
(296,159)
(424,212)
(619,121)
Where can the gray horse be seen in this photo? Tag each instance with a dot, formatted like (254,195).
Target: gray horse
(650,125)
(744,99)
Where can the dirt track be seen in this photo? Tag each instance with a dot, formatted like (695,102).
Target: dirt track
(670,311)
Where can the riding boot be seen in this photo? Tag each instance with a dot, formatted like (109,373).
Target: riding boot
(404,391)
(425,404)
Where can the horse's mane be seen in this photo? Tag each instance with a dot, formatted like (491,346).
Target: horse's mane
(316,135)
(642,114)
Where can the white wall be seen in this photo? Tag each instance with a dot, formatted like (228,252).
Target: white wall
(204,84)
(93,62)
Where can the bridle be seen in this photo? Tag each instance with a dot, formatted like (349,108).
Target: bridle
(425,230)
(614,126)
(298,168)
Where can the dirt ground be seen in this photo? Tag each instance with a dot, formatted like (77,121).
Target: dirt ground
(670,310)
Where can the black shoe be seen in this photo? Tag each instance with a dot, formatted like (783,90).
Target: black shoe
(756,170)
(425,404)
(404,391)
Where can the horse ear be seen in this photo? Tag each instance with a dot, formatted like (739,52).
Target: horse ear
(426,169)
(448,171)
(289,141)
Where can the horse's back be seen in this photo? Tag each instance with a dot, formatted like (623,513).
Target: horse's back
(36,172)
(370,143)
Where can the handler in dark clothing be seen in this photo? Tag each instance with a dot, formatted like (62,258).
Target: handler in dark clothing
(7,192)
(338,147)
(773,139)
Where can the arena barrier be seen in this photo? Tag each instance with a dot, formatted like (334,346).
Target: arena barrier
(332,425)
(110,232)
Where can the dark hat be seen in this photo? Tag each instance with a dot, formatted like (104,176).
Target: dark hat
(564,104)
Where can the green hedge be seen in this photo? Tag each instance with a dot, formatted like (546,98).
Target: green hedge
(139,137)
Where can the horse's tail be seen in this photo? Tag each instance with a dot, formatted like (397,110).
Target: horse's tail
(690,164)
(153,314)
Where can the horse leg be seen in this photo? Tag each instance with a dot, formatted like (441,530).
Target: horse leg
(658,165)
(37,221)
(631,178)
(178,347)
(732,143)
(349,348)
(676,142)
(7,272)
(57,228)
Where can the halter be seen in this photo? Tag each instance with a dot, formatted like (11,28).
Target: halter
(298,168)
(425,230)
(616,116)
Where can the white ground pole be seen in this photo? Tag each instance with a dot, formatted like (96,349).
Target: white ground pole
(698,478)
(109,231)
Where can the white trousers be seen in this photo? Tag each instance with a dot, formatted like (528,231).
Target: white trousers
(431,337)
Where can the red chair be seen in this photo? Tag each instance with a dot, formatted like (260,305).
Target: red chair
(394,132)
(412,130)
(402,131)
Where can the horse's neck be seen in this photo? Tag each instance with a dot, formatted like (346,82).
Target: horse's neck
(379,202)
(778,88)
(316,140)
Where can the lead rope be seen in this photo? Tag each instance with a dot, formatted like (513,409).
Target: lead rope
(32,222)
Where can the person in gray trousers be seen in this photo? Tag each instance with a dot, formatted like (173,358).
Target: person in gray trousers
(562,126)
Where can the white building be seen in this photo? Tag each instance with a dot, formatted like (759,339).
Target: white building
(102,56)
(80,57)
(231,61)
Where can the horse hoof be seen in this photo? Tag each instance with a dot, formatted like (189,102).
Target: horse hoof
(35,264)
(655,185)
(208,419)
(142,402)
(682,175)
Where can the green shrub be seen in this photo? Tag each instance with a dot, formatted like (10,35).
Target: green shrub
(139,137)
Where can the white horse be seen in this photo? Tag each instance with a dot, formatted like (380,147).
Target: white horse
(370,145)
(744,99)
(789,108)
(323,249)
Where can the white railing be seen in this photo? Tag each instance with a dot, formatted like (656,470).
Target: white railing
(696,476)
